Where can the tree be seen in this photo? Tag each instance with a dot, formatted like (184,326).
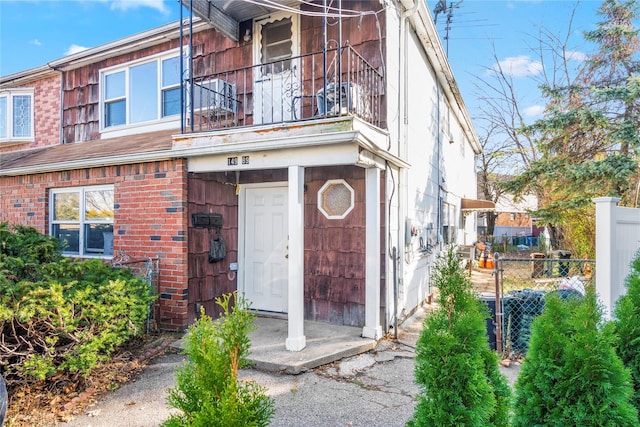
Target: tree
(490,162)
(458,373)
(588,138)
(571,374)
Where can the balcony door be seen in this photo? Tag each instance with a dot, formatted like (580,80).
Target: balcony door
(277,77)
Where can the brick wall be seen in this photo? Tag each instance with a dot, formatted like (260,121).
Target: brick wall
(46,115)
(513,219)
(150,218)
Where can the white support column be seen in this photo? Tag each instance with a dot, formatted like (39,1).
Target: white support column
(296,340)
(605,241)
(372,328)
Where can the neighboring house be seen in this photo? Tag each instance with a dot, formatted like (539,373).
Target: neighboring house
(314,161)
(513,222)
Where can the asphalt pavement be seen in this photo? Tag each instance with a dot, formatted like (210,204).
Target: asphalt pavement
(371,389)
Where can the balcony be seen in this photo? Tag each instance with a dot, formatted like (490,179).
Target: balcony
(289,90)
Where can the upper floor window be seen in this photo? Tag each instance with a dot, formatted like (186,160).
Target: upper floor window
(277,45)
(82,219)
(16,114)
(141,92)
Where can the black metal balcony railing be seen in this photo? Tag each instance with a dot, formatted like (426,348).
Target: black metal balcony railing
(294,89)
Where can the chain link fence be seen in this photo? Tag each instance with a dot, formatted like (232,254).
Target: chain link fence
(147,269)
(525,283)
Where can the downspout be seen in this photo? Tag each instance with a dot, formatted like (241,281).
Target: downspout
(324,55)
(339,62)
(403,123)
(182,104)
(191,59)
(438,175)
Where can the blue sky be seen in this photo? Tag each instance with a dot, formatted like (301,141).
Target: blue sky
(511,30)
(33,32)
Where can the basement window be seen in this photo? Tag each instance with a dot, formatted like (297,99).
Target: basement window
(335,199)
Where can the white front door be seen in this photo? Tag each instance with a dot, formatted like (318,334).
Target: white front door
(276,86)
(266,247)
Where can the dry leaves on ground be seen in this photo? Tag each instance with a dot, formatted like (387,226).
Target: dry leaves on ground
(63,397)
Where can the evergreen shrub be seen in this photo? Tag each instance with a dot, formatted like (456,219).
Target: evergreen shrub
(571,375)
(627,326)
(458,373)
(59,315)
(208,391)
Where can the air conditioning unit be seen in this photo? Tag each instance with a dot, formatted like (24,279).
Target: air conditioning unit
(214,96)
(352,100)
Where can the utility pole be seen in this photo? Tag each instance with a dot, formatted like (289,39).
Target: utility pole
(442,7)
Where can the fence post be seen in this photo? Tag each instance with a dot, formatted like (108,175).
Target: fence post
(496,273)
(605,236)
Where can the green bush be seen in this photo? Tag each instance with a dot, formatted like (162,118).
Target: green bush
(208,391)
(627,327)
(458,373)
(61,315)
(571,374)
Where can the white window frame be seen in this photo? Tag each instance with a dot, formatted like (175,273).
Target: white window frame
(321,200)
(449,223)
(9,95)
(160,122)
(82,221)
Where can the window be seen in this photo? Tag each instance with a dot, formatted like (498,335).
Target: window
(16,114)
(277,45)
(142,92)
(82,219)
(335,199)
(449,223)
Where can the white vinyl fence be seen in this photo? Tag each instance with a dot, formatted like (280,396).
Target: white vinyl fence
(617,243)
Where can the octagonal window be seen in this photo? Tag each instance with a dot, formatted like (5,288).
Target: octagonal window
(335,199)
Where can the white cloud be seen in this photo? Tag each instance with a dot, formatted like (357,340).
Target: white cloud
(74,48)
(573,55)
(125,5)
(534,110)
(519,66)
(35,42)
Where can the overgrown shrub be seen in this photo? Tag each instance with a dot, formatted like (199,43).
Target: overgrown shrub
(571,374)
(59,314)
(627,326)
(461,384)
(208,391)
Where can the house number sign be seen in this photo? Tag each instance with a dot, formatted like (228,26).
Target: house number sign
(233,161)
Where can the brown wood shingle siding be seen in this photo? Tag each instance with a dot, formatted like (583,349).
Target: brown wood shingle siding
(212,53)
(334,250)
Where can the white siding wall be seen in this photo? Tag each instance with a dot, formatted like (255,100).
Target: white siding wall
(424,155)
(420,129)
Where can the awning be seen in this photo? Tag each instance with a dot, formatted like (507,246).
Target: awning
(226,16)
(474,205)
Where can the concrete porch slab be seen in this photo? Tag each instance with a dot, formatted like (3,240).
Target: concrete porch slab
(326,343)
